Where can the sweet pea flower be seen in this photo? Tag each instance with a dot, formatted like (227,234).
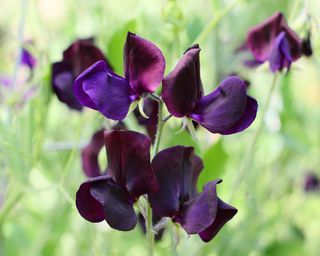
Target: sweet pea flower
(177,170)
(111,197)
(226,110)
(76,58)
(101,89)
(274,41)
(90,153)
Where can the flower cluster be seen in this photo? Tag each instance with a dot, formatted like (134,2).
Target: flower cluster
(169,179)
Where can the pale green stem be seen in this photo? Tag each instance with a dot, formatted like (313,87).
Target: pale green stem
(214,22)
(247,160)
(149,226)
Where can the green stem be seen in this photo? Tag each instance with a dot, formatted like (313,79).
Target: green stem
(9,205)
(149,226)
(245,166)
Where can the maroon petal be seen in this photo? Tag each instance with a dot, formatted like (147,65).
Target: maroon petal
(81,54)
(62,84)
(176,169)
(117,204)
(144,64)
(100,89)
(129,161)
(225,213)
(261,37)
(88,207)
(182,88)
(90,154)
(200,212)
(222,110)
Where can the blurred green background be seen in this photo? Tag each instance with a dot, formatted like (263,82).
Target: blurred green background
(41,139)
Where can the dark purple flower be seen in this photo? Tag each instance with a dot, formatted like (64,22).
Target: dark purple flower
(177,170)
(90,153)
(311,182)
(150,108)
(226,110)
(130,175)
(101,89)
(76,58)
(274,41)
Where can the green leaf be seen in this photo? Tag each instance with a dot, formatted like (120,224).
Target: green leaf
(115,46)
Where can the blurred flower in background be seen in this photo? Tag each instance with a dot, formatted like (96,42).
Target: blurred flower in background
(76,58)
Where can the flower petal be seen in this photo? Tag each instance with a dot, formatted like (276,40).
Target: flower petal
(261,37)
(89,155)
(220,110)
(280,56)
(200,212)
(117,204)
(144,64)
(182,88)
(62,84)
(100,89)
(129,161)
(88,207)
(246,119)
(27,59)
(81,54)
(176,170)
(224,214)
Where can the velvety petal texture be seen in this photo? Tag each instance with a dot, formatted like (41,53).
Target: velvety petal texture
(101,89)
(144,64)
(129,161)
(265,44)
(177,170)
(111,197)
(227,109)
(76,58)
(182,88)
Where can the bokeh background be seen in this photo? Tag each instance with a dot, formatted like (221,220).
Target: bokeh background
(41,139)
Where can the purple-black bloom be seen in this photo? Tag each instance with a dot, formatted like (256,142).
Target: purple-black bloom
(226,110)
(79,56)
(111,197)
(101,89)
(274,41)
(177,170)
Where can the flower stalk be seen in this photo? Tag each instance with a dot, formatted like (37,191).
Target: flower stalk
(248,158)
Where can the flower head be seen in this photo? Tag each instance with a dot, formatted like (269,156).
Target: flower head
(76,58)
(111,197)
(226,110)
(274,41)
(101,89)
(177,170)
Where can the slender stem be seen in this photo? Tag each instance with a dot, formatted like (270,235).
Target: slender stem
(10,204)
(159,129)
(149,226)
(245,165)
